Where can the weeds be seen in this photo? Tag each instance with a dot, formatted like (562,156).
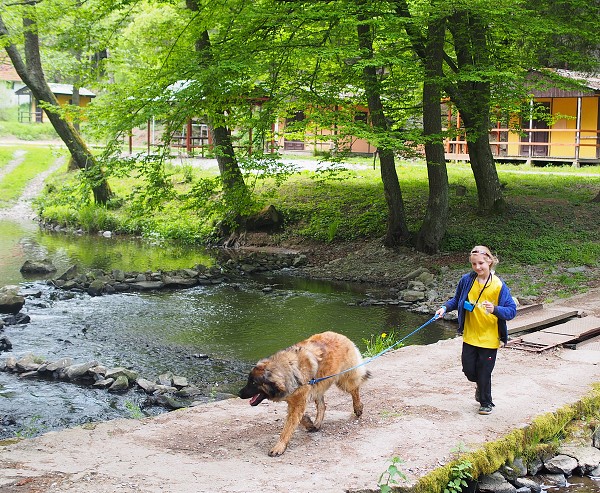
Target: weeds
(32,428)
(391,476)
(134,410)
(380,342)
(459,474)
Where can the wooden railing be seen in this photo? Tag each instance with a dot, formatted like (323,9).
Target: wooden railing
(528,147)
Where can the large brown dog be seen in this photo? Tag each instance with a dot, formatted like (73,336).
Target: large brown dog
(286,376)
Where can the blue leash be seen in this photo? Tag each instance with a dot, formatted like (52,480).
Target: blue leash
(314,381)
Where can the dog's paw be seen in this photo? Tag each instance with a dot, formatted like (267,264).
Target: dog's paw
(278,450)
(308,423)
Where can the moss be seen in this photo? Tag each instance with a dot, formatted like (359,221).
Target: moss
(539,439)
(10,441)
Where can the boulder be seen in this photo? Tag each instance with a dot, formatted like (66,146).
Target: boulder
(78,372)
(96,287)
(5,344)
(120,371)
(59,364)
(44,266)
(17,319)
(587,457)
(529,483)
(10,300)
(27,363)
(69,274)
(147,285)
(562,464)
(495,483)
(121,383)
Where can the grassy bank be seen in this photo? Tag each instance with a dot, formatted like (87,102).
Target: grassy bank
(551,219)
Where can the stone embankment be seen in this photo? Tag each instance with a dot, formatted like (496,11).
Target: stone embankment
(545,473)
(168,390)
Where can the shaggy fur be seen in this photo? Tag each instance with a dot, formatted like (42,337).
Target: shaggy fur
(285,376)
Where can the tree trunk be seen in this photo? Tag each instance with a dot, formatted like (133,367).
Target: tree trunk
(228,167)
(234,186)
(32,75)
(472,98)
(433,228)
(397,232)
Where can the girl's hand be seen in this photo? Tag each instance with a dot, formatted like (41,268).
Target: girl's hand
(488,306)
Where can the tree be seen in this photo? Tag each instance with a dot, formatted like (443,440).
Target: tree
(233,181)
(433,229)
(397,231)
(29,68)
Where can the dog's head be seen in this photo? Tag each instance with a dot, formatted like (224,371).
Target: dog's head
(261,385)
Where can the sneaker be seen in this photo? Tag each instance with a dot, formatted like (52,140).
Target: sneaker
(477,394)
(485,410)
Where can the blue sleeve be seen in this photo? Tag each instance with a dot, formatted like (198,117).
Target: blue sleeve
(462,289)
(506,308)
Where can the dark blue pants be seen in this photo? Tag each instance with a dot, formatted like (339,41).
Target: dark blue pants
(477,365)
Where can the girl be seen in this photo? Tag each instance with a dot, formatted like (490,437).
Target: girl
(484,304)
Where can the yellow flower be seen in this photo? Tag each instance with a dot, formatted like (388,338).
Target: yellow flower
(384,335)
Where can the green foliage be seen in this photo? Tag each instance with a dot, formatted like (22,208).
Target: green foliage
(28,131)
(380,342)
(459,474)
(391,476)
(94,218)
(134,410)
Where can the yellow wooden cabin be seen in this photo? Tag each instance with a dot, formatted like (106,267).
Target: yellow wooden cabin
(30,111)
(573,136)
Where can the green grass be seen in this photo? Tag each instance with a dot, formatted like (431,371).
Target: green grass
(34,161)
(11,127)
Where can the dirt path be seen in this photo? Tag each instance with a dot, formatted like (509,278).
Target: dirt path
(21,209)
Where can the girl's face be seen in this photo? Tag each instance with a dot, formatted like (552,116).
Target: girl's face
(481,264)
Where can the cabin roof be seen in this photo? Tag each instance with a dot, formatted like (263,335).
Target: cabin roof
(7,71)
(559,83)
(66,89)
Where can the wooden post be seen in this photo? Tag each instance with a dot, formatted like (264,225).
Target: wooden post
(530,137)
(578,134)
(188,137)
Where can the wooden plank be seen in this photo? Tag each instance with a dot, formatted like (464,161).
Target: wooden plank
(519,343)
(577,328)
(538,319)
(523,309)
(547,339)
(591,344)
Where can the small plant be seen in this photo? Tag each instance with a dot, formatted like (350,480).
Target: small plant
(380,342)
(459,474)
(212,395)
(32,428)
(392,476)
(134,410)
